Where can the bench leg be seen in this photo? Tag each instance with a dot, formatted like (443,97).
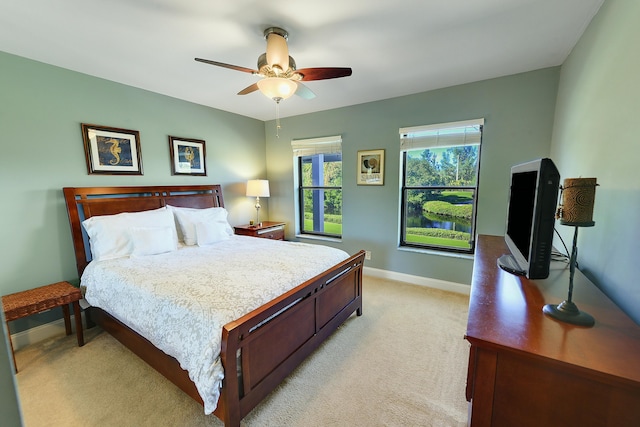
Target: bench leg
(78,315)
(15,365)
(67,319)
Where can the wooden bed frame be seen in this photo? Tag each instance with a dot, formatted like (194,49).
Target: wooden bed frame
(263,346)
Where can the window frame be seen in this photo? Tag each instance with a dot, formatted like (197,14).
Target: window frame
(404,188)
(303,149)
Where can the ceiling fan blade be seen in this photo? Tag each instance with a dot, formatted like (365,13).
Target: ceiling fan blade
(232,67)
(249,89)
(323,73)
(304,92)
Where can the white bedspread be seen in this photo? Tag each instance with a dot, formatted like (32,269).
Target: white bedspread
(181,300)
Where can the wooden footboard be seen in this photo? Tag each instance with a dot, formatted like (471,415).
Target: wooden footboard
(269,343)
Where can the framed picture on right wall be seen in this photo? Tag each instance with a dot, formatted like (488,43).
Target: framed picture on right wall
(370,167)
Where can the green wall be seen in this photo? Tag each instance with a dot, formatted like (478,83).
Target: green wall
(518,112)
(41,151)
(595,135)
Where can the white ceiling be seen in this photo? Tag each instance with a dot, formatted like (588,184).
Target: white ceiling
(395,48)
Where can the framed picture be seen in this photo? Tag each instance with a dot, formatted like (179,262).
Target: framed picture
(187,156)
(111,151)
(371,167)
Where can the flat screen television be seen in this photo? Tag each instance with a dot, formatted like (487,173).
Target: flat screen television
(533,197)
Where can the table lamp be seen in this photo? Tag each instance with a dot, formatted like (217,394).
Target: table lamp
(257,188)
(576,209)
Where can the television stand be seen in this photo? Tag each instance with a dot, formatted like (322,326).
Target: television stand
(527,369)
(508,263)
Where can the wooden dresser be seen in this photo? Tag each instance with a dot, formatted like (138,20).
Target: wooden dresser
(527,369)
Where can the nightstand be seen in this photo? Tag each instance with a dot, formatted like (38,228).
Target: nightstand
(268,230)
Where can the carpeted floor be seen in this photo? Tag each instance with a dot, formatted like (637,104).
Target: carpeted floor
(403,363)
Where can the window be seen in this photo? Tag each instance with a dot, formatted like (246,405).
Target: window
(440,185)
(319,181)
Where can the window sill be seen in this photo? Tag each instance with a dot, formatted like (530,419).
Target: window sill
(435,252)
(323,238)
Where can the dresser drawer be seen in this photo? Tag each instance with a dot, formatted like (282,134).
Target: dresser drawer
(274,233)
(265,230)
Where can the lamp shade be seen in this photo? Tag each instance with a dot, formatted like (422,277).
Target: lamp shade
(258,188)
(277,88)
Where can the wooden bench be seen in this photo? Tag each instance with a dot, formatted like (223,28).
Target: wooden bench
(26,303)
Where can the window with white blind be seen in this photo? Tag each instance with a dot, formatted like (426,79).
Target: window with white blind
(319,185)
(439,185)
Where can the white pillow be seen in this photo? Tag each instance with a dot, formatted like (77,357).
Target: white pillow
(208,233)
(152,240)
(188,217)
(109,235)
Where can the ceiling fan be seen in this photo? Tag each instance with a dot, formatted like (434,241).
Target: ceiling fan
(280,77)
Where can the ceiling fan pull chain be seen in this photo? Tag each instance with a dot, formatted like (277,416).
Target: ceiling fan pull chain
(277,117)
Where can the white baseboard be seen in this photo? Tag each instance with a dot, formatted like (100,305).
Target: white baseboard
(418,280)
(48,330)
(40,333)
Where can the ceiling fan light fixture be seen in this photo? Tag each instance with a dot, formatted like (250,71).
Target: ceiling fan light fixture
(280,77)
(277,88)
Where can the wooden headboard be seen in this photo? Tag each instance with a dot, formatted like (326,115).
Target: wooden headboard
(85,202)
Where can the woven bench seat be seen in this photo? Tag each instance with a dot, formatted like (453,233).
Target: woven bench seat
(33,301)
